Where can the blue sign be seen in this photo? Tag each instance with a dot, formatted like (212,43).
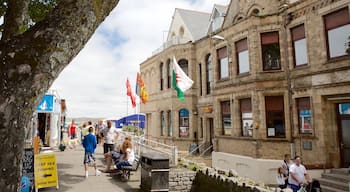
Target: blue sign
(306,113)
(344,108)
(46,104)
(184,113)
(137,120)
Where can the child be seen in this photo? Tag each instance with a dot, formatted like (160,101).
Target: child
(89,144)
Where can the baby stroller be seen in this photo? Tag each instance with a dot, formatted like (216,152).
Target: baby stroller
(314,186)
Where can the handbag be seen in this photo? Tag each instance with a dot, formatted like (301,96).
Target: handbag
(280,179)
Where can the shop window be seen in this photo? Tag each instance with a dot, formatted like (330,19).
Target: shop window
(209,74)
(246,117)
(169,73)
(162,123)
(274,107)
(337,27)
(299,45)
(184,123)
(226,117)
(270,51)
(304,115)
(242,56)
(170,126)
(161,72)
(223,63)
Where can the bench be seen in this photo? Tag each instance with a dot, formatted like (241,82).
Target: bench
(125,171)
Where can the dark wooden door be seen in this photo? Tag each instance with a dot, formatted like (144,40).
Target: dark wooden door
(344,133)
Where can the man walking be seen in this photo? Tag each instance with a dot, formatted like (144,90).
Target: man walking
(110,135)
(89,144)
(297,174)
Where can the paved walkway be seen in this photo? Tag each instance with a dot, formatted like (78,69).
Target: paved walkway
(71,174)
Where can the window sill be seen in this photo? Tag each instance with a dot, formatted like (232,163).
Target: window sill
(243,74)
(306,136)
(336,59)
(299,67)
(223,80)
(272,71)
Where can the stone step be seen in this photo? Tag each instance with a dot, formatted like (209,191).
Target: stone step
(334,184)
(336,177)
(330,189)
(343,171)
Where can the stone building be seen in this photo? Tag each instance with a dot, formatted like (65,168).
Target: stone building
(272,78)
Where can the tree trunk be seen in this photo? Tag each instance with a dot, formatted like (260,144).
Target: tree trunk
(29,63)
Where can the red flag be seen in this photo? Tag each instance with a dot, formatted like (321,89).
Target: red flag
(130,94)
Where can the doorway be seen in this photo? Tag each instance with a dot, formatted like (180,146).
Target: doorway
(344,133)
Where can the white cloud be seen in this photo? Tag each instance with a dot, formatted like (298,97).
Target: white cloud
(94,83)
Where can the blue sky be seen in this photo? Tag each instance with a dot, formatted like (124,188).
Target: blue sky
(93,84)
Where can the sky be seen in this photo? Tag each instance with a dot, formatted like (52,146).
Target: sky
(93,84)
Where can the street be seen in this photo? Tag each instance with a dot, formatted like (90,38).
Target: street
(72,178)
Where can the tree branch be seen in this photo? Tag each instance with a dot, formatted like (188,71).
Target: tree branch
(16,17)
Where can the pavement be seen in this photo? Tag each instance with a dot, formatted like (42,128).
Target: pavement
(71,174)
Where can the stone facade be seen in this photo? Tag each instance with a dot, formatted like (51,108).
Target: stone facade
(325,81)
(181,179)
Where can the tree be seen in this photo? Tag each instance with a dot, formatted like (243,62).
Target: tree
(33,52)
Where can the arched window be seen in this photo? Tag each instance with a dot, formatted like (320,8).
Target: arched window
(161,72)
(170,128)
(162,123)
(183,63)
(169,72)
(184,123)
(209,73)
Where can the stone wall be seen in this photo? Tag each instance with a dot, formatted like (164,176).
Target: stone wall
(181,179)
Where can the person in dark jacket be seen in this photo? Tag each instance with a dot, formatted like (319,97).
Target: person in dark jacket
(89,144)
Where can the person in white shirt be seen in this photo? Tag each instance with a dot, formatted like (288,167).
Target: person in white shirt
(128,156)
(110,135)
(297,174)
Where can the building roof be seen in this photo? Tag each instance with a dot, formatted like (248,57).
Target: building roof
(196,22)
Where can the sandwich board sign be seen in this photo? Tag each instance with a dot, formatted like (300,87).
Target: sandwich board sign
(45,171)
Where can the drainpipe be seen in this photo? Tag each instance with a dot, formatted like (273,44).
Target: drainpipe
(287,17)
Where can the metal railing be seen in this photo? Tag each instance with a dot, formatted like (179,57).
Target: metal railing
(142,145)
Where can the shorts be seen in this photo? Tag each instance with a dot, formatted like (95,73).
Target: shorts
(89,158)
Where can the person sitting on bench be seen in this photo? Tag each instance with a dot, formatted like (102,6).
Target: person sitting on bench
(128,156)
(114,156)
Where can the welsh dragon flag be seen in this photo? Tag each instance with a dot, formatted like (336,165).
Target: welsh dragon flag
(181,82)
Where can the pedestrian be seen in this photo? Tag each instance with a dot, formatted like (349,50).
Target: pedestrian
(110,135)
(89,144)
(128,155)
(297,174)
(72,130)
(98,129)
(283,171)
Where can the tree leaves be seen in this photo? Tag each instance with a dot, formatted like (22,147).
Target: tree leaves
(38,9)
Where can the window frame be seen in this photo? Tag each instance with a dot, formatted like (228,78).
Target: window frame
(297,35)
(335,25)
(161,70)
(222,53)
(245,117)
(184,122)
(301,104)
(241,46)
(208,74)
(162,123)
(226,114)
(268,39)
(268,110)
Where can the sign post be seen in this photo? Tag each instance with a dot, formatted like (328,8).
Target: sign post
(45,171)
